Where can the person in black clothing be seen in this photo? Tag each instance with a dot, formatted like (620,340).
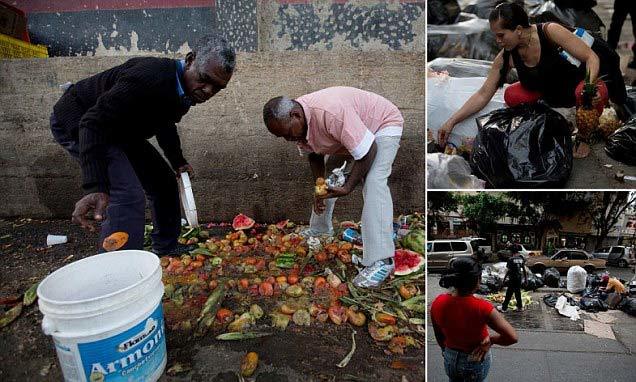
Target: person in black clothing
(105,121)
(550,61)
(515,277)
(621,9)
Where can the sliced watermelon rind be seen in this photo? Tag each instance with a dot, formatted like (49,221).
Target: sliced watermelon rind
(407,262)
(242,222)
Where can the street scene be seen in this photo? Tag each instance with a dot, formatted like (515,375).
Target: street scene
(212,190)
(577,285)
(525,122)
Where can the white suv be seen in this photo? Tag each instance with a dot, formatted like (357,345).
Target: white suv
(440,252)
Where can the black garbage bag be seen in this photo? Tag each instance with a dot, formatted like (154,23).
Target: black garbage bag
(490,281)
(532,283)
(482,8)
(470,37)
(613,300)
(542,11)
(576,4)
(440,12)
(522,147)
(628,305)
(630,104)
(590,292)
(551,299)
(621,143)
(591,304)
(551,277)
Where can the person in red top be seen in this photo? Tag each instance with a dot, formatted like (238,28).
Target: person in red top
(461,320)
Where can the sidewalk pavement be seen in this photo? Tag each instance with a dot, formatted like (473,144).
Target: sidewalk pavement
(552,356)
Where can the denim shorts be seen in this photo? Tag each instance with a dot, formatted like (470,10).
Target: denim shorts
(460,369)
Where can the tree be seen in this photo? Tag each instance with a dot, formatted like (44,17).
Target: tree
(482,211)
(606,208)
(544,209)
(439,202)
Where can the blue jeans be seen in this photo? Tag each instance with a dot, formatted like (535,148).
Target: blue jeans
(460,369)
(135,172)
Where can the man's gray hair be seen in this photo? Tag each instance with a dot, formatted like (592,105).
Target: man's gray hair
(215,47)
(278,108)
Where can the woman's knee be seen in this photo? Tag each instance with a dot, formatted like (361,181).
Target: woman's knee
(516,94)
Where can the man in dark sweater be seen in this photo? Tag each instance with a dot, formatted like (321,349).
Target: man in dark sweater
(104,122)
(515,277)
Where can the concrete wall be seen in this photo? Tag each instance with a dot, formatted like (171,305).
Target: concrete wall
(119,27)
(240,167)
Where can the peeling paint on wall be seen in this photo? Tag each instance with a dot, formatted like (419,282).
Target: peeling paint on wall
(319,26)
(249,25)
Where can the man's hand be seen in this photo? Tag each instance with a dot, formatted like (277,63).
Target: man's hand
(444,132)
(97,202)
(481,350)
(335,192)
(186,168)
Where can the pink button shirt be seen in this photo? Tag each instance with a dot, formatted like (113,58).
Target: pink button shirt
(344,119)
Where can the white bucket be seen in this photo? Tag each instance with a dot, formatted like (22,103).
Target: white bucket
(105,315)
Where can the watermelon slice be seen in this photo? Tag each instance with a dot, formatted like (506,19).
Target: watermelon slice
(242,222)
(407,262)
(282,224)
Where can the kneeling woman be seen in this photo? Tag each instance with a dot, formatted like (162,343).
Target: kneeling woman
(550,61)
(461,320)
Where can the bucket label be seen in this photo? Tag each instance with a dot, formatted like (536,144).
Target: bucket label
(133,355)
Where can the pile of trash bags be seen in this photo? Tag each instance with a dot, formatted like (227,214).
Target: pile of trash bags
(575,13)
(525,146)
(469,37)
(621,144)
(491,281)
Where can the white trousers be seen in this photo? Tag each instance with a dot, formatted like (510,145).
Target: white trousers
(377,213)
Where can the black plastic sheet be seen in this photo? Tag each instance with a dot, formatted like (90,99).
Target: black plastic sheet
(628,305)
(470,37)
(590,304)
(440,12)
(541,11)
(482,8)
(551,277)
(523,147)
(532,283)
(621,144)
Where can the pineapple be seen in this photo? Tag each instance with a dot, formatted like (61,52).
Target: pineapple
(587,117)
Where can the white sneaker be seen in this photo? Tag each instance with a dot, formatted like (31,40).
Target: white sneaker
(310,232)
(374,275)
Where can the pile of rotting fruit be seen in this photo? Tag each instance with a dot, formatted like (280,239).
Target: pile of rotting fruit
(257,280)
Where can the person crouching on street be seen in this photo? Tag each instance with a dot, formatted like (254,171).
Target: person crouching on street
(364,125)
(461,321)
(105,121)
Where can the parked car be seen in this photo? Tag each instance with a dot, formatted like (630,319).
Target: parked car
(564,259)
(504,254)
(479,244)
(601,253)
(619,257)
(440,252)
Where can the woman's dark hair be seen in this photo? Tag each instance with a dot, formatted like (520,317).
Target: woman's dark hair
(511,15)
(464,273)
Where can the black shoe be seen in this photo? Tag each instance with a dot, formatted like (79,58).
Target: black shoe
(632,64)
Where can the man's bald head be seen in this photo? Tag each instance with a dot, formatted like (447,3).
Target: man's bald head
(285,118)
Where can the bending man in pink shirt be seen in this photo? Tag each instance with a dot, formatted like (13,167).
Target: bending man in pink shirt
(364,125)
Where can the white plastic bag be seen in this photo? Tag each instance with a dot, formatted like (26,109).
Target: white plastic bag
(448,94)
(577,278)
(565,309)
(450,172)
